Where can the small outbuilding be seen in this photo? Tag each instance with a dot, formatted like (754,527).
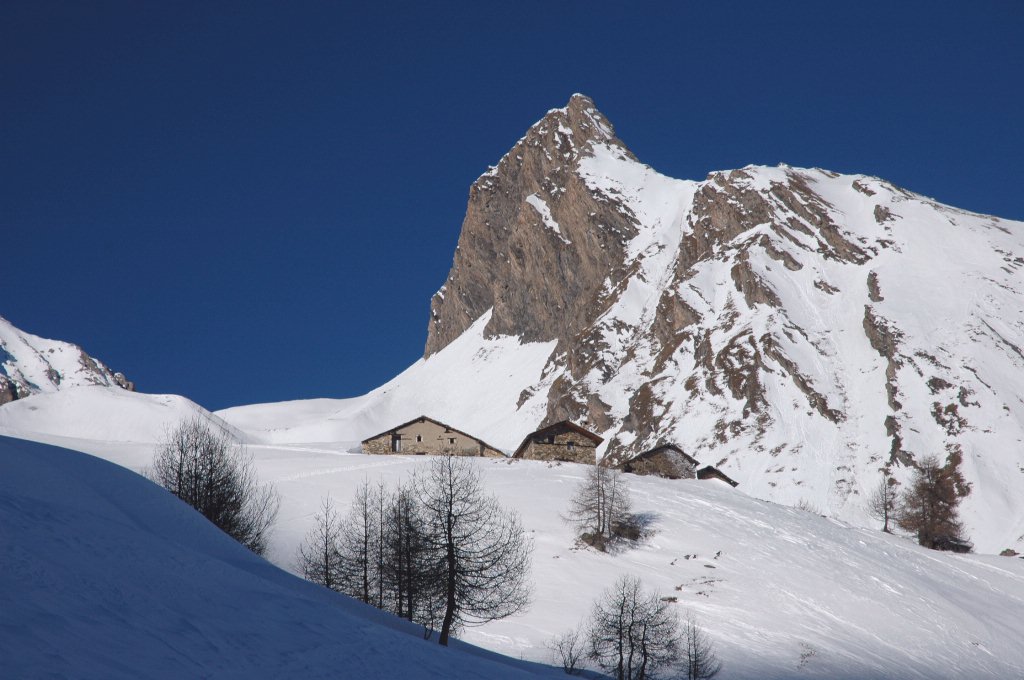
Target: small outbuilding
(426,436)
(563,441)
(710,472)
(666,460)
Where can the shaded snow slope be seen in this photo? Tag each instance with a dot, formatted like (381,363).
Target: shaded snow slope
(105,575)
(784,593)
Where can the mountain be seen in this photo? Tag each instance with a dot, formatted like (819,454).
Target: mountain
(799,328)
(30,364)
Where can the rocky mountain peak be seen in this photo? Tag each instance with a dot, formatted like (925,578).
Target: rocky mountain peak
(799,328)
(30,364)
(531,218)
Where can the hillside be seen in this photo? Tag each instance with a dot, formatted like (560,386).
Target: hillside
(783,592)
(799,328)
(105,575)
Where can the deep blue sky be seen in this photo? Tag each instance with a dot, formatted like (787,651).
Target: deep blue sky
(245,202)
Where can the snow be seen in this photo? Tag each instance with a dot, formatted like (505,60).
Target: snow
(474,383)
(108,576)
(545,214)
(781,591)
(44,365)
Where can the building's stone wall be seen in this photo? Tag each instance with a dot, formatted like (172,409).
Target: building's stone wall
(583,450)
(428,438)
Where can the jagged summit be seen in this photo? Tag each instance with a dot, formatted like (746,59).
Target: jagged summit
(536,205)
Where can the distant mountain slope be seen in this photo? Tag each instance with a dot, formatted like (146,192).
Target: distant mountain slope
(105,575)
(801,329)
(103,414)
(30,364)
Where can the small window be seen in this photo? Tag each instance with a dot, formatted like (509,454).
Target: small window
(419,438)
(551,439)
(570,445)
(451,440)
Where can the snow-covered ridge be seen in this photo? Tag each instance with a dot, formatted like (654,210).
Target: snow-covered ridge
(30,364)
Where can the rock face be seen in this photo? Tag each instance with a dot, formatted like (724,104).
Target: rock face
(536,240)
(30,364)
(798,328)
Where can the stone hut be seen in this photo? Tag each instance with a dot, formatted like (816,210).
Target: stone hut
(709,472)
(562,441)
(426,436)
(666,460)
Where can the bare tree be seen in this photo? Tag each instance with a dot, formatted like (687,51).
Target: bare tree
(698,651)
(480,549)
(883,500)
(929,507)
(410,576)
(601,509)
(205,467)
(320,554)
(569,649)
(633,634)
(359,546)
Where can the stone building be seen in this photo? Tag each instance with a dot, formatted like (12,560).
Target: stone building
(426,436)
(666,460)
(709,472)
(562,441)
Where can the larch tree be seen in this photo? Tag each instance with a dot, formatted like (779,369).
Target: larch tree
(203,465)
(359,545)
(320,556)
(883,501)
(480,550)
(600,508)
(633,635)
(698,651)
(411,577)
(929,507)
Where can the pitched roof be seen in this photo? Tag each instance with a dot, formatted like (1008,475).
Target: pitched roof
(709,471)
(662,447)
(420,419)
(562,424)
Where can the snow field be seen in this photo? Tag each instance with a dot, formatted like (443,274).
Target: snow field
(780,590)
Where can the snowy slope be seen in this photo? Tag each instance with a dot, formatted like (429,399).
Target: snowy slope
(31,364)
(476,382)
(107,576)
(103,413)
(783,592)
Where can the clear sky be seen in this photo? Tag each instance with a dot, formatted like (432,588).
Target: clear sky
(244,202)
